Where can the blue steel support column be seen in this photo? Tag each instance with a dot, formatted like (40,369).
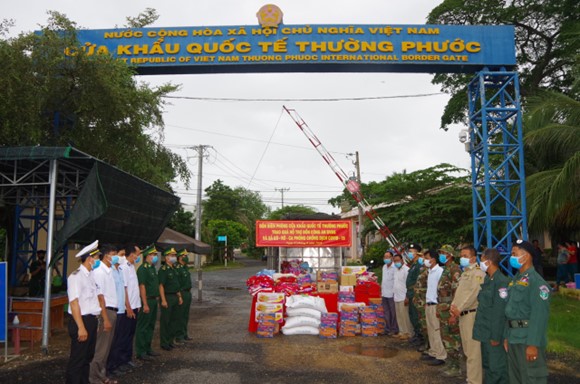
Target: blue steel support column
(497,162)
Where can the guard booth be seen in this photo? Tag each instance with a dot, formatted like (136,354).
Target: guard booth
(319,239)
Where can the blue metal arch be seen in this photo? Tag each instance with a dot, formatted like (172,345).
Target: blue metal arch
(497,162)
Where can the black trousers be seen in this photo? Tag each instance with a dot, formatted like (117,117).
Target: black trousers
(81,353)
(122,348)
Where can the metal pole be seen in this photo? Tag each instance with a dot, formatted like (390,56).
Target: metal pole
(200,149)
(360,212)
(282,190)
(49,253)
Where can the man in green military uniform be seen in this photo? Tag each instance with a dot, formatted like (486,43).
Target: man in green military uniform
(527,311)
(185,283)
(412,276)
(149,292)
(446,290)
(170,295)
(419,301)
(490,318)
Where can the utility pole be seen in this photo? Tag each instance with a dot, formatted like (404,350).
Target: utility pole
(360,211)
(201,150)
(282,190)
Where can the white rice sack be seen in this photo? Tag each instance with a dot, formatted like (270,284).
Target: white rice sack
(300,331)
(304,301)
(314,313)
(301,321)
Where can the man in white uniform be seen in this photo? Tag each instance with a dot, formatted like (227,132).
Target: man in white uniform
(387,293)
(400,289)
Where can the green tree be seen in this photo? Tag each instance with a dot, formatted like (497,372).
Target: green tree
(236,234)
(221,203)
(183,221)
(552,140)
(279,214)
(89,101)
(252,208)
(546,44)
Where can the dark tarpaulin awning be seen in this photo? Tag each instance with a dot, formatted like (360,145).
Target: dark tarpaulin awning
(172,239)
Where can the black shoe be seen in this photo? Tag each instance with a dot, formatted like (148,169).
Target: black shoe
(166,347)
(153,353)
(427,357)
(124,369)
(134,364)
(435,362)
(178,343)
(187,338)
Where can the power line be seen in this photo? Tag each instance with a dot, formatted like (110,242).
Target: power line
(266,149)
(363,98)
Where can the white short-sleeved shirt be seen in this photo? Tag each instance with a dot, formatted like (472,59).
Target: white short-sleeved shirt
(387,285)
(82,286)
(132,284)
(106,284)
(400,287)
(432,282)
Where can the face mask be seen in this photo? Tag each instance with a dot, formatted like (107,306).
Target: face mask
(388,261)
(464,262)
(398,264)
(154,260)
(421,261)
(138,259)
(515,262)
(185,259)
(172,259)
(428,263)
(483,265)
(410,256)
(115,260)
(442,258)
(97,264)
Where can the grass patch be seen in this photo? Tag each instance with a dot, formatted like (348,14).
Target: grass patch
(220,266)
(563,335)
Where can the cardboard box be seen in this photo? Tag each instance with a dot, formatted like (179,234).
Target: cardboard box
(326,275)
(327,287)
(348,279)
(353,269)
(346,288)
(374,300)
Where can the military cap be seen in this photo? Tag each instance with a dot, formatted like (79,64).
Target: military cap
(448,249)
(169,251)
(414,246)
(90,250)
(526,246)
(182,252)
(149,250)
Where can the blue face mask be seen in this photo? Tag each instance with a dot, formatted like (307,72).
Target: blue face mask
(97,264)
(421,261)
(442,258)
(115,260)
(410,256)
(388,261)
(398,264)
(138,259)
(464,262)
(515,262)
(154,260)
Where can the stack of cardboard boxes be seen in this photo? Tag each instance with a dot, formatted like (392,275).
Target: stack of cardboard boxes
(349,320)
(267,325)
(327,282)
(328,325)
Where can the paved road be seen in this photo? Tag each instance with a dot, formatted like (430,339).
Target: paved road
(224,352)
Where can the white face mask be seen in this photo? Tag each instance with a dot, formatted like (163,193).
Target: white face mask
(428,263)
(484,265)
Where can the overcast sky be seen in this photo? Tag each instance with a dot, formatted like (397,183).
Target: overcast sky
(255,145)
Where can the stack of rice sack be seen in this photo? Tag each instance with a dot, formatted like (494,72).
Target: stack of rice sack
(328,325)
(377,306)
(349,320)
(303,315)
(368,321)
(267,325)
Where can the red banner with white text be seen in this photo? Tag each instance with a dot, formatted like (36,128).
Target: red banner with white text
(306,233)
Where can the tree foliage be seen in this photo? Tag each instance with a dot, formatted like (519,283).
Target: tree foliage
(89,101)
(430,206)
(546,44)
(279,214)
(236,233)
(183,221)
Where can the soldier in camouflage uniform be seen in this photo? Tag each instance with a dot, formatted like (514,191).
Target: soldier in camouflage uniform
(419,301)
(446,290)
(412,276)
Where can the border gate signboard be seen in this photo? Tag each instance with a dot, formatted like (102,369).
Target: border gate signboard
(305,48)
(306,233)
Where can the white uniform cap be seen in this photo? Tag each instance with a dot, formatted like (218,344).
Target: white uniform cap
(91,249)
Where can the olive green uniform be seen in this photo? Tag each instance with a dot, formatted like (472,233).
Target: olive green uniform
(465,300)
(185,284)
(527,311)
(489,325)
(169,322)
(419,302)
(147,276)
(412,277)
(445,291)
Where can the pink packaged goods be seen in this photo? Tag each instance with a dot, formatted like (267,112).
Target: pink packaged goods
(276,309)
(271,297)
(346,297)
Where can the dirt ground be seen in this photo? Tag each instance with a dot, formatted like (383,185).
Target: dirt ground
(224,352)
